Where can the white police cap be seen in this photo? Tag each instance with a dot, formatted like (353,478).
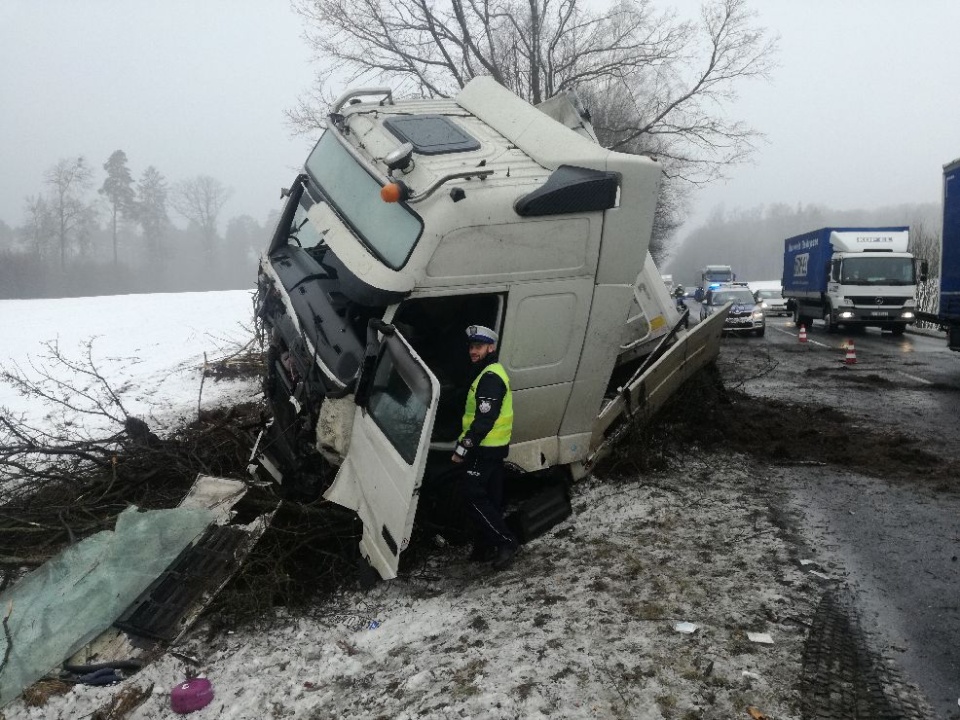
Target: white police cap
(479,333)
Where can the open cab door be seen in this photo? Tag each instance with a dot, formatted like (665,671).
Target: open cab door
(381,474)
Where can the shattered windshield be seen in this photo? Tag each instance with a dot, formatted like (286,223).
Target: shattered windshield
(390,230)
(877,271)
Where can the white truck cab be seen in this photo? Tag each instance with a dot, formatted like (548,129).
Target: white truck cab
(414,219)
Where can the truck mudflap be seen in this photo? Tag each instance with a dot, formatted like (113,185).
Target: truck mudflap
(655,381)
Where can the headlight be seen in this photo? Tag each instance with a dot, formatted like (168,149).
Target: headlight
(907,315)
(846,315)
(764,304)
(758,314)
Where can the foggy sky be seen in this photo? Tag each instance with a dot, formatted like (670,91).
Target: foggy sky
(862,112)
(189,87)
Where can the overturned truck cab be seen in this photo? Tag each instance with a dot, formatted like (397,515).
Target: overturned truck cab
(414,219)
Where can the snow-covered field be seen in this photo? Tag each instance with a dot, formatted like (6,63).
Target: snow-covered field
(583,625)
(149,347)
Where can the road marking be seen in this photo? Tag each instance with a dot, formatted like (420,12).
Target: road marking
(914,377)
(787,332)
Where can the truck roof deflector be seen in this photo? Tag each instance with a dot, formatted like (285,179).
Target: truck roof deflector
(571,189)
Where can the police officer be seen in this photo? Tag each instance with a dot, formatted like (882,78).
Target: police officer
(482,447)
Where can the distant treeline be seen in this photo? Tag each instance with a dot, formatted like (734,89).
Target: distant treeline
(120,239)
(186,264)
(751,241)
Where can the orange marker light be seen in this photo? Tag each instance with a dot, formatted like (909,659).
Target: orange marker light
(391,193)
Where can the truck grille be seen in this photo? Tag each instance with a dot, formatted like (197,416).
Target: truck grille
(873,300)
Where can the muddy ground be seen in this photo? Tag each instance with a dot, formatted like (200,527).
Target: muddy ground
(688,521)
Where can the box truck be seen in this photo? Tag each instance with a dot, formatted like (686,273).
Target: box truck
(948,312)
(414,219)
(851,277)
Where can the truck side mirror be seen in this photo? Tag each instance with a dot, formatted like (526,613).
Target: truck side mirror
(924,269)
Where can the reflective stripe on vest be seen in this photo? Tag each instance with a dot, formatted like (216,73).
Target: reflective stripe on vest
(502,429)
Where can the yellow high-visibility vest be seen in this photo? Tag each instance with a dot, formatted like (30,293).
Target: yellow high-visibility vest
(502,429)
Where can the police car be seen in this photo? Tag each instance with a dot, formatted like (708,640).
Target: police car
(746,314)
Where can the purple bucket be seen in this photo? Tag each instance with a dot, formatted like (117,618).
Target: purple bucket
(191,695)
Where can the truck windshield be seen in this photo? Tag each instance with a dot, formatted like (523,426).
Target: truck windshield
(718,276)
(877,271)
(389,230)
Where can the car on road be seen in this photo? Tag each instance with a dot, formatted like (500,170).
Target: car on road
(745,315)
(772,301)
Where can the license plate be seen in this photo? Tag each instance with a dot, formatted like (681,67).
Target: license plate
(879,313)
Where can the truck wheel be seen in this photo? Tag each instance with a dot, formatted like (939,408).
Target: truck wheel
(898,329)
(760,332)
(828,324)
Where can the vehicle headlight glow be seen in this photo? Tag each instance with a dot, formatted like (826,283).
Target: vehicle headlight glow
(757,314)
(764,304)
(907,315)
(846,315)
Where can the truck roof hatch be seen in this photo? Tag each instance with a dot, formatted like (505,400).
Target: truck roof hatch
(571,189)
(431,134)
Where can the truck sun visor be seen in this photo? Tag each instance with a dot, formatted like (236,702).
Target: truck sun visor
(571,189)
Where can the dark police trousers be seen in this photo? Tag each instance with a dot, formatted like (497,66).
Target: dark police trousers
(483,495)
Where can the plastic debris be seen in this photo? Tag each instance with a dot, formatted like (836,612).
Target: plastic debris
(750,674)
(756,714)
(820,575)
(191,695)
(805,562)
(759,637)
(685,627)
(374,624)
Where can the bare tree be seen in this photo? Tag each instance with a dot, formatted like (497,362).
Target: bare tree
(69,181)
(39,225)
(925,246)
(655,85)
(199,201)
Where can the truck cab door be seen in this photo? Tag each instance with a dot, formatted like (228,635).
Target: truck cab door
(381,474)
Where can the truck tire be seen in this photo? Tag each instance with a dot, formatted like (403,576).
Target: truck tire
(761,331)
(898,329)
(828,324)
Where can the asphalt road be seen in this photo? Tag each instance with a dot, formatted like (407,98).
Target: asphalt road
(895,543)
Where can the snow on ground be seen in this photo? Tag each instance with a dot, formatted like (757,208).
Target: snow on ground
(583,625)
(150,347)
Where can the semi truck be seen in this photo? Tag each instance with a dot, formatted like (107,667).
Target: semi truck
(852,277)
(712,277)
(948,309)
(415,218)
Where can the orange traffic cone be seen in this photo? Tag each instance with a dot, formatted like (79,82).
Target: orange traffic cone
(851,358)
(803,333)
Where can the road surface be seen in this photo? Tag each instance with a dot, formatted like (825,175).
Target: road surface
(892,542)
